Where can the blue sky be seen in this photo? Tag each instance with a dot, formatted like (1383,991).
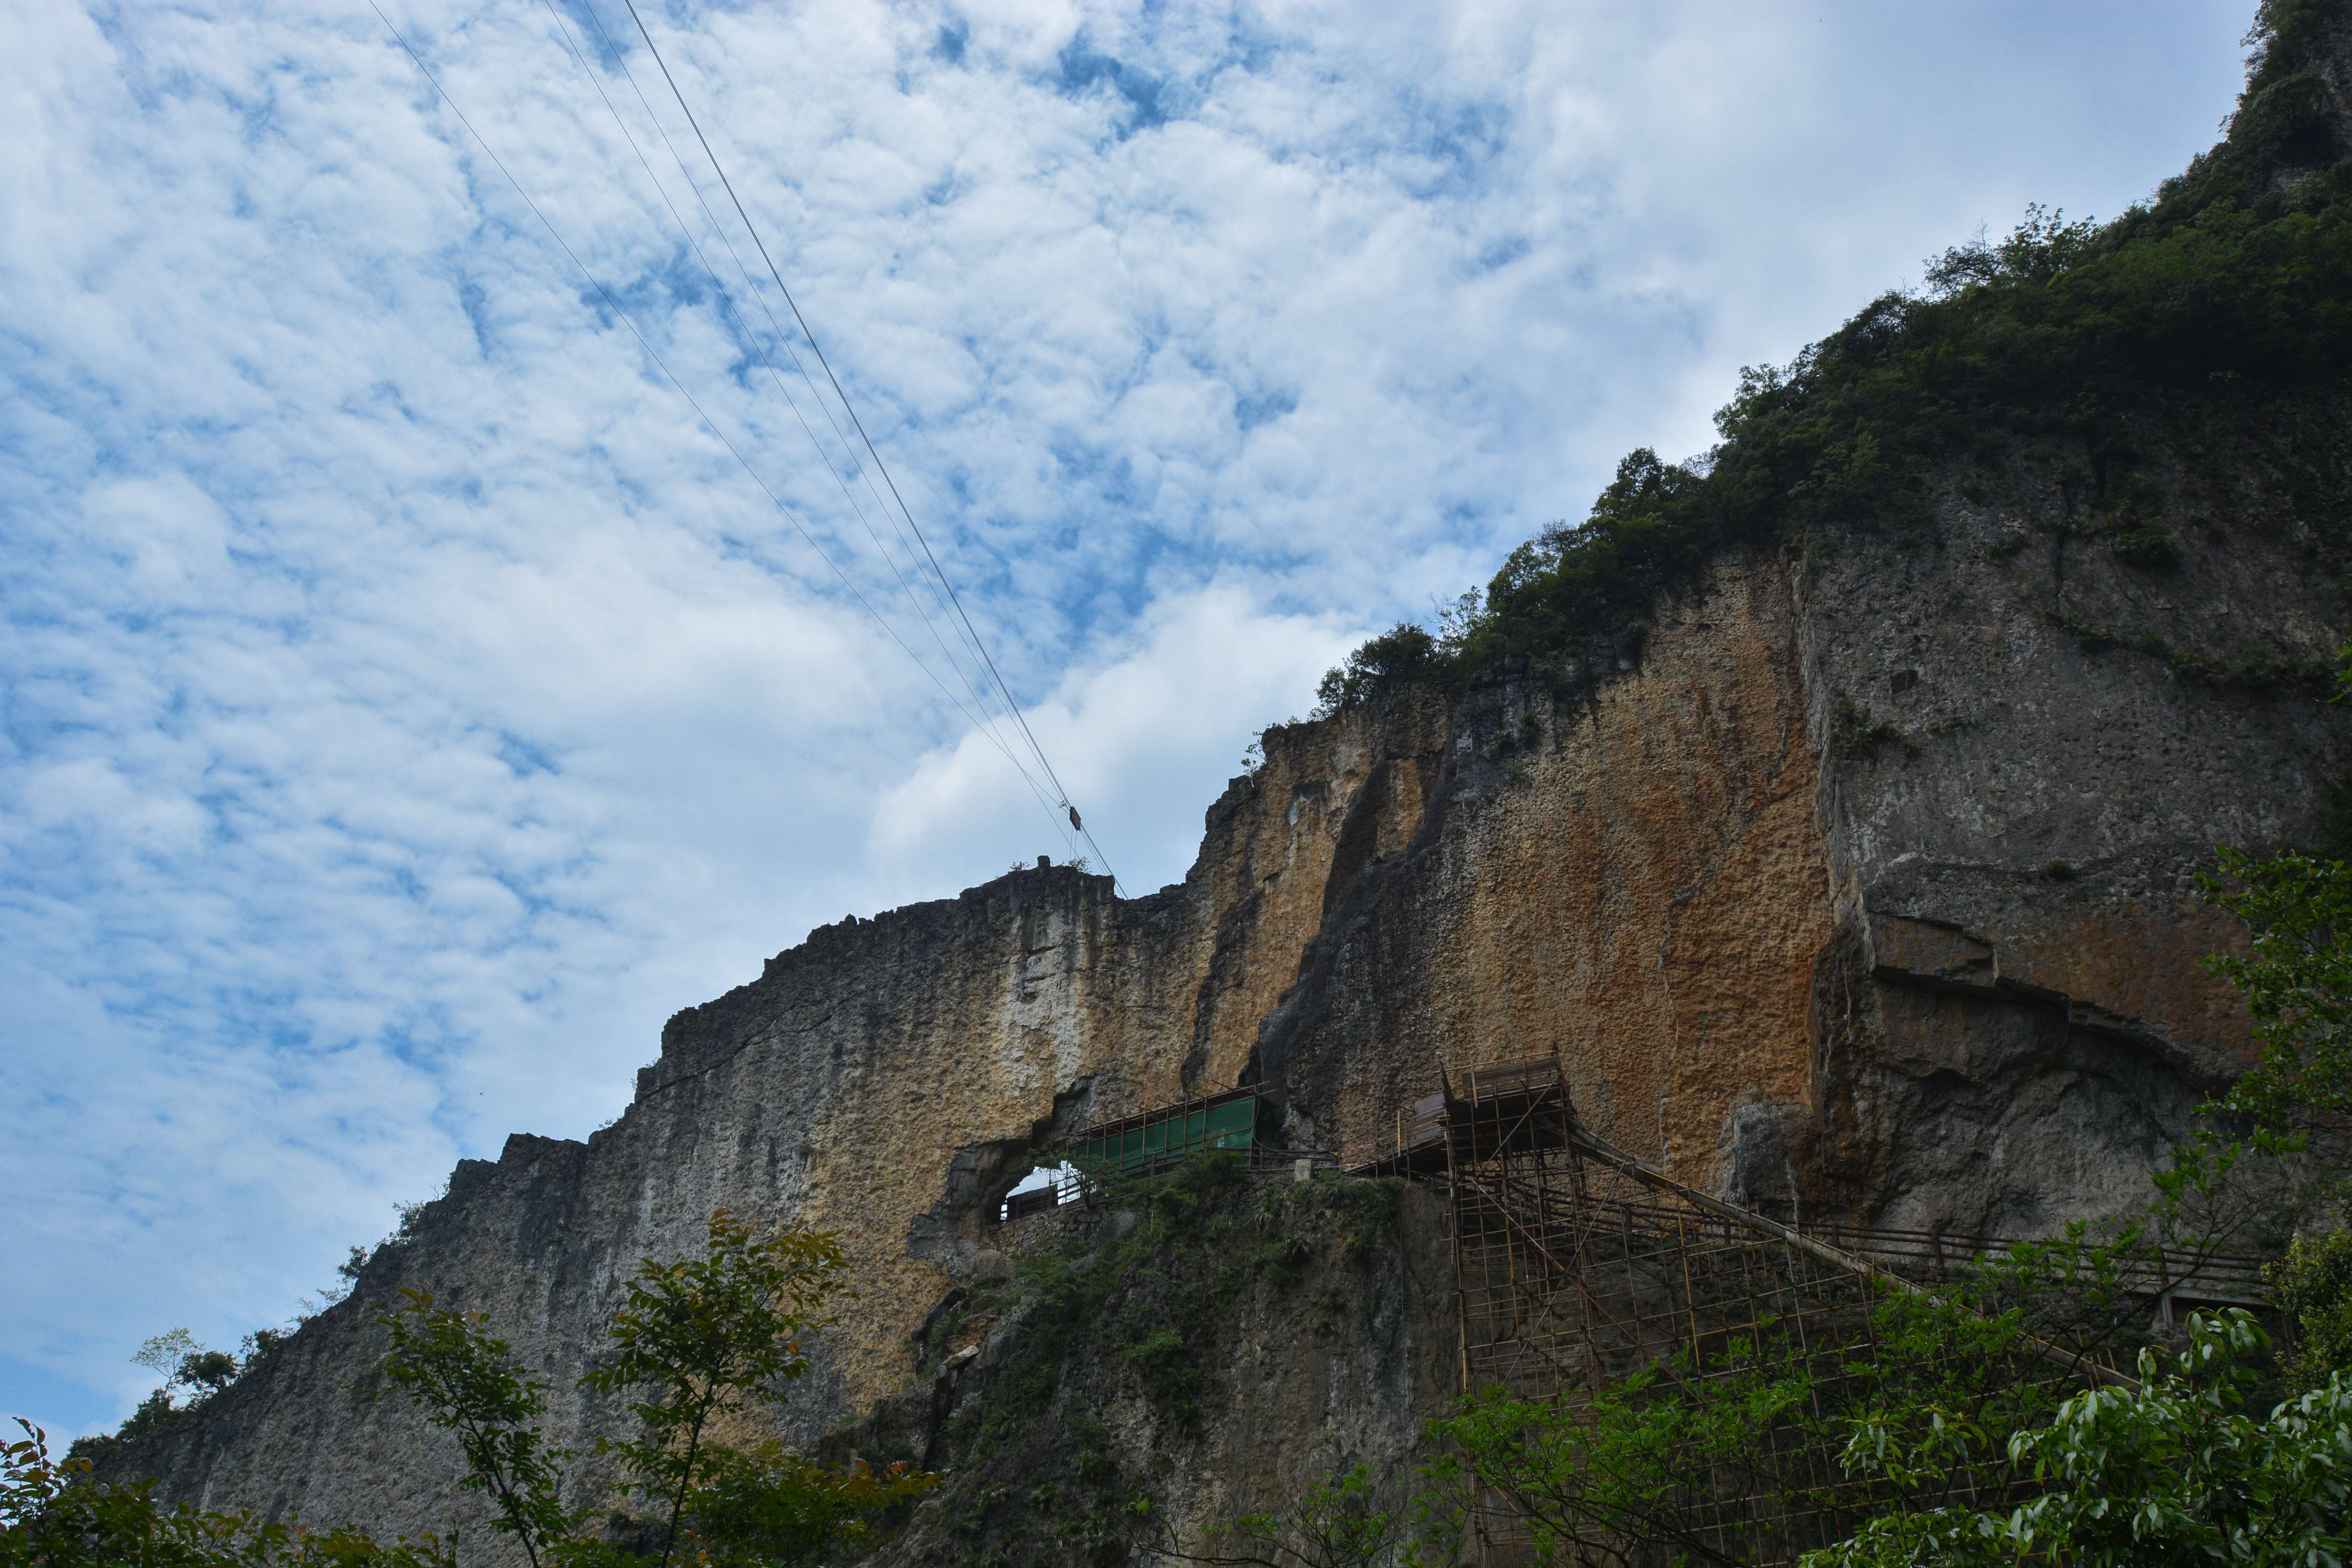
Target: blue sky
(409,703)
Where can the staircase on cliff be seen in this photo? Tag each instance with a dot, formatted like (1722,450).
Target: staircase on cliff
(1584,1276)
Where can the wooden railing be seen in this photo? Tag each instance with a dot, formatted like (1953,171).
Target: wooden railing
(2184,1273)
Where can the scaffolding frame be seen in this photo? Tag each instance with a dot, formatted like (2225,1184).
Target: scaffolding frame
(1584,1275)
(1580,1269)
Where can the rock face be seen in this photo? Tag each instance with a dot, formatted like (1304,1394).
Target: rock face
(1866,891)
(2037,734)
(1236,1342)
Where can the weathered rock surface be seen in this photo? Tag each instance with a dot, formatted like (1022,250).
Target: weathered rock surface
(1868,889)
(2035,745)
(1332,1321)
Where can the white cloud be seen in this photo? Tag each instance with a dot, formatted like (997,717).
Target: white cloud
(1157,730)
(408,704)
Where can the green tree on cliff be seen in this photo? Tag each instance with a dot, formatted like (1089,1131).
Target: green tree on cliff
(697,1341)
(2296,973)
(56,1514)
(2231,288)
(2173,1471)
(2296,978)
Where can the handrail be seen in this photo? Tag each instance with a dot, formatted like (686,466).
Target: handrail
(1627,1165)
(2169,1266)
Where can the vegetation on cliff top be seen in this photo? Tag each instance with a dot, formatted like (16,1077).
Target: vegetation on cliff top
(2234,280)
(2232,287)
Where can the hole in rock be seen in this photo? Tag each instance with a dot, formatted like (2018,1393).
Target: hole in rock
(1045,1187)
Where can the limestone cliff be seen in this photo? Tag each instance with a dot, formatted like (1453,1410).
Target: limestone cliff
(1860,884)
(1866,891)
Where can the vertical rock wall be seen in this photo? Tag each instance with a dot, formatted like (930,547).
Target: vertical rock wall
(2034,740)
(1867,888)
(1627,871)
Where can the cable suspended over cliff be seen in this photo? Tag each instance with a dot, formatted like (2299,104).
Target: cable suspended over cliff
(964,620)
(1050,791)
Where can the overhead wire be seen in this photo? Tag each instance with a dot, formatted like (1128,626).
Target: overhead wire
(654,354)
(954,598)
(984,720)
(783,338)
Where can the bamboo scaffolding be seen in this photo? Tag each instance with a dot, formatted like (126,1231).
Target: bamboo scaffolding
(1577,1267)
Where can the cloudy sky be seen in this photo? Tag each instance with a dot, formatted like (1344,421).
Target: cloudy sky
(411,699)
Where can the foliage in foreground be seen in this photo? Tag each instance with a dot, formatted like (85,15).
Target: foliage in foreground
(2173,1471)
(55,1515)
(458,1376)
(1687,1448)
(2233,288)
(699,1339)
(1900,1405)
(2313,1284)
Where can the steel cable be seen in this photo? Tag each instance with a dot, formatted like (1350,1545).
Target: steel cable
(654,354)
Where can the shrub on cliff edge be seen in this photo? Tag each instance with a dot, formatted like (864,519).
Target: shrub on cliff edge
(2233,286)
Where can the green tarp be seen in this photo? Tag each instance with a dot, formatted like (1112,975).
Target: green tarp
(1232,1125)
